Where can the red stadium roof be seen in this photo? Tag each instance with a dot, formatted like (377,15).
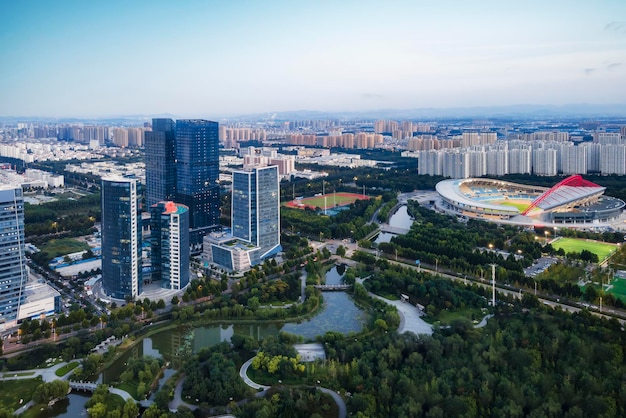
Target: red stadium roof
(569,190)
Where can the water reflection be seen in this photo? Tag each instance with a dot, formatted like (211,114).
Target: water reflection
(339,314)
(401,219)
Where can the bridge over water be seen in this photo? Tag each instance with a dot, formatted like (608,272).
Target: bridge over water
(332,287)
(91,387)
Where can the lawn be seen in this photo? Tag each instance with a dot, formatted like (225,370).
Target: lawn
(66,369)
(446,317)
(332,200)
(619,288)
(601,249)
(11,391)
(62,246)
(520,205)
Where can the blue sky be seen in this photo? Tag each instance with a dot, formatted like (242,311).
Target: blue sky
(219,58)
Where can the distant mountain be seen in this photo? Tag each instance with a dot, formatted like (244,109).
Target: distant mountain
(520,111)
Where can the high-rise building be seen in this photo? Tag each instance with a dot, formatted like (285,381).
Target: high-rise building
(13,269)
(256,209)
(170,244)
(160,147)
(121,237)
(197,173)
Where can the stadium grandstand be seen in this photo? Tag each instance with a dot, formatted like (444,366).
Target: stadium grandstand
(573,202)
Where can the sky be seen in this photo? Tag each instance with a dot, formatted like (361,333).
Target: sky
(213,58)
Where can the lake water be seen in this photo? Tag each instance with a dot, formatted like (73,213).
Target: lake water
(339,313)
(400,219)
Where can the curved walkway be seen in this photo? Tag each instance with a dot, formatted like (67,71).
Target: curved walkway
(243,372)
(410,316)
(178,400)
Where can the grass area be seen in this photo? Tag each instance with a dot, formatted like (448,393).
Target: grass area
(601,249)
(619,288)
(66,369)
(11,391)
(330,201)
(62,246)
(130,387)
(520,205)
(446,317)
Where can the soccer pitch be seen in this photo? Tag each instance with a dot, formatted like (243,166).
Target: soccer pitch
(569,245)
(519,204)
(328,201)
(618,288)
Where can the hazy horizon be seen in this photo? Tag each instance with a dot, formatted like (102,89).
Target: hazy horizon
(92,59)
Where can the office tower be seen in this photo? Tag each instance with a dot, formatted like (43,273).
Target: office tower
(255,209)
(121,237)
(160,145)
(13,273)
(197,172)
(170,244)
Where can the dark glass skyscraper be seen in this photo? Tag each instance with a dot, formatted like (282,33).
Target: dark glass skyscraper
(197,172)
(12,258)
(121,237)
(256,209)
(160,146)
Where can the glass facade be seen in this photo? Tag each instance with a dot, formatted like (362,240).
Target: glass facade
(256,210)
(170,244)
(13,274)
(121,237)
(160,147)
(197,172)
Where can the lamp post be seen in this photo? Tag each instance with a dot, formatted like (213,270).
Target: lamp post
(493,285)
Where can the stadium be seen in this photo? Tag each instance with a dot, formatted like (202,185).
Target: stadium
(573,202)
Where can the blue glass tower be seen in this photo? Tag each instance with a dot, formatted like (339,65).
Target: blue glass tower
(170,244)
(121,237)
(197,172)
(13,274)
(160,147)
(256,210)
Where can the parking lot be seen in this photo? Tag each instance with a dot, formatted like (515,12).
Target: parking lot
(540,266)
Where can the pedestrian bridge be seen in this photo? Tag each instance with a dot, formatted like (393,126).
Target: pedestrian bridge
(332,287)
(80,385)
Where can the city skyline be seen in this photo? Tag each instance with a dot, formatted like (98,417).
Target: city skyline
(220,59)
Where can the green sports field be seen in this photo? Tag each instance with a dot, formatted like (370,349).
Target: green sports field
(619,288)
(332,200)
(521,205)
(569,245)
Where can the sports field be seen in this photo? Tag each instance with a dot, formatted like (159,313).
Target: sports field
(520,204)
(601,249)
(332,200)
(618,288)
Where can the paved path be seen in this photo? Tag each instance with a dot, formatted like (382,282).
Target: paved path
(243,372)
(484,321)
(47,375)
(178,400)
(410,316)
(343,411)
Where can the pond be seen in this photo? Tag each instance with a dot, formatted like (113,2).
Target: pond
(71,407)
(339,313)
(401,219)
